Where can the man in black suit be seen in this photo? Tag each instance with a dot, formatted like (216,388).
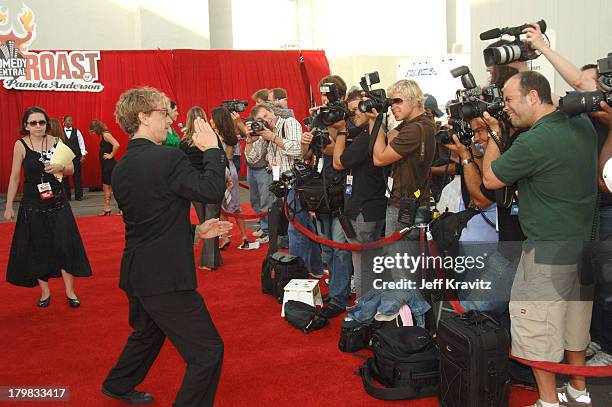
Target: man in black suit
(74,140)
(153,186)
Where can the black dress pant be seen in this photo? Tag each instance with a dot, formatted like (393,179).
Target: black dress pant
(183,318)
(76,180)
(210,255)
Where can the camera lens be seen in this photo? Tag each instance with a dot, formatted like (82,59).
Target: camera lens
(580,102)
(501,55)
(366,106)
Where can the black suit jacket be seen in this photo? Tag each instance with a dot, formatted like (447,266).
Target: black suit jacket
(154,186)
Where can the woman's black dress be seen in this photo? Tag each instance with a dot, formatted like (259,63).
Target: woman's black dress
(46,238)
(106,166)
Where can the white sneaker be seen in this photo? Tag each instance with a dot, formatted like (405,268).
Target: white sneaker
(592,349)
(566,400)
(600,359)
(258,233)
(249,245)
(262,240)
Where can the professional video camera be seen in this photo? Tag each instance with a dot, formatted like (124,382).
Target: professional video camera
(517,50)
(377,97)
(584,102)
(471,102)
(235,105)
(300,173)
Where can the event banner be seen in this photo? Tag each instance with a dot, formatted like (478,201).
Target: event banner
(20,69)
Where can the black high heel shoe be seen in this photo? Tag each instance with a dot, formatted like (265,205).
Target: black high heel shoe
(73,302)
(44,303)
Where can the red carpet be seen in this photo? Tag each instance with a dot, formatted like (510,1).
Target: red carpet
(267,362)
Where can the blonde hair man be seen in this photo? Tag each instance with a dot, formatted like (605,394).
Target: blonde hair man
(153,187)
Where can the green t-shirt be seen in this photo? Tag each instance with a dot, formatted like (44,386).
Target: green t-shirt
(554,164)
(172,139)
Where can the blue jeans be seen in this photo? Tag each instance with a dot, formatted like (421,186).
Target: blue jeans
(299,244)
(339,261)
(261,198)
(601,322)
(236,160)
(500,272)
(366,232)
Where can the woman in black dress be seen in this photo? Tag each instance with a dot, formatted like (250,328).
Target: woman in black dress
(46,242)
(108,149)
(210,256)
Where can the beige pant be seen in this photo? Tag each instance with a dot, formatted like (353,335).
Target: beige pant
(546,314)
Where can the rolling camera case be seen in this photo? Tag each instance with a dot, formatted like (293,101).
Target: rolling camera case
(277,270)
(473,361)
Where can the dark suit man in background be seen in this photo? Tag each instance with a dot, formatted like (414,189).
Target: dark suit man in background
(74,140)
(153,187)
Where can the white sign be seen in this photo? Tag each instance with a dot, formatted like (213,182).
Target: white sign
(433,75)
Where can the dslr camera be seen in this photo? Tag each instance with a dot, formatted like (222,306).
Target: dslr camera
(300,173)
(469,103)
(235,105)
(335,109)
(585,102)
(377,97)
(257,126)
(517,50)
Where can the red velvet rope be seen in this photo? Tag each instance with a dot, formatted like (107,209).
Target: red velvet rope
(561,368)
(244,215)
(354,247)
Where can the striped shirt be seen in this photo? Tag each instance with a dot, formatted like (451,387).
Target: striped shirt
(273,153)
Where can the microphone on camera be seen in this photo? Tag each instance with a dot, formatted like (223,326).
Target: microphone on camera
(491,34)
(498,32)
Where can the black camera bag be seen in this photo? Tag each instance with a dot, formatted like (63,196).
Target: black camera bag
(354,336)
(473,361)
(304,317)
(405,361)
(277,270)
(312,194)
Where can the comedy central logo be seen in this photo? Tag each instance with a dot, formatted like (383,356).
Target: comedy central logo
(12,63)
(59,71)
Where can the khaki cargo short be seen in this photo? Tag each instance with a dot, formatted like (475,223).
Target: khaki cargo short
(546,316)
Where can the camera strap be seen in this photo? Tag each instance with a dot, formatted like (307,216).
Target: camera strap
(373,136)
(282,136)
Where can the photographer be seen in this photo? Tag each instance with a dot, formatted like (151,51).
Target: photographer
(410,151)
(339,261)
(365,202)
(279,141)
(554,163)
(585,80)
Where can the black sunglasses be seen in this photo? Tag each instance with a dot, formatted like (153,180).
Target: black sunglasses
(33,123)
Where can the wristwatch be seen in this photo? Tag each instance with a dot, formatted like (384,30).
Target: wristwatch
(497,139)
(341,133)
(467,161)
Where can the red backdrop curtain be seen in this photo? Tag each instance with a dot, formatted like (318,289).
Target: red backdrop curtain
(191,77)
